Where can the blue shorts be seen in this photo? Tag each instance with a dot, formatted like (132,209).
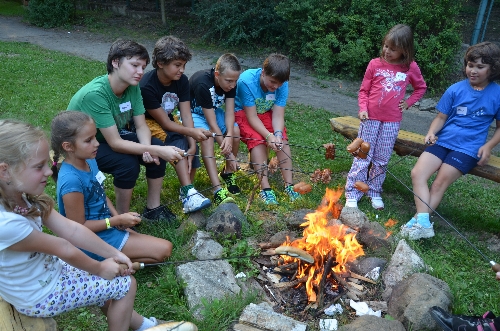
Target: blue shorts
(180,141)
(113,236)
(459,160)
(201,122)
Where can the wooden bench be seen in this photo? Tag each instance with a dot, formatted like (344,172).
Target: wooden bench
(11,320)
(412,143)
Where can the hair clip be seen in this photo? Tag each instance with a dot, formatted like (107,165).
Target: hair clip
(21,210)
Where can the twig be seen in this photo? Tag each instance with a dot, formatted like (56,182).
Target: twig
(252,196)
(326,271)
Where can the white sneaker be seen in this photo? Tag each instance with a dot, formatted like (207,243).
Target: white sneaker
(351,203)
(377,203)
(193,201)
(417,231)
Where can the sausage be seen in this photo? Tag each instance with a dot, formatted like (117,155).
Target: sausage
(177,326)
(302,188)
(361,186)
(295,252)
(364,148)
(354,146)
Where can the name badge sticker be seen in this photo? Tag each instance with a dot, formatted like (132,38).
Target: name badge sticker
(100,177)
(271,97)
(126,106)
(462,111)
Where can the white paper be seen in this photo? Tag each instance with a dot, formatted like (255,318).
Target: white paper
(334,309)
(374,274)
(363,309)
(328,324)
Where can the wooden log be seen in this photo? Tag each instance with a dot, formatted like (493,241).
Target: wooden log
(286,285)
(412,143)
(353,275)
(11,320)
(359,287)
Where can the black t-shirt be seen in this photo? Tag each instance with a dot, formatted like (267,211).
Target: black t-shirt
(156,95)
(204,94)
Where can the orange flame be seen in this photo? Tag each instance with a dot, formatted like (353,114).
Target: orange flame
(320,239)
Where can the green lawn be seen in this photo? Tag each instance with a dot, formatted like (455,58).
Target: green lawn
(36,84)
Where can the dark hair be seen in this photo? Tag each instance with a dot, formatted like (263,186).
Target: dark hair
(168,49)
(227,61)
(18,141)
(277,66)
(65,127)
(489,53)
(400,37)
(123,48)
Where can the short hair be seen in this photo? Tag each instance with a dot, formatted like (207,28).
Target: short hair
(64,128)
(400,37)
(227,61)
(123,48)
(168,49)
(277,66)
(489,54)
(18,143)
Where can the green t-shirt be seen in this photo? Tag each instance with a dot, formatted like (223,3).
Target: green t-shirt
(98,100)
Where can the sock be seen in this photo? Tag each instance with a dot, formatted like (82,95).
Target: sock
(411,222)
(186,188)
(423,219)
(146,324)
(217,190)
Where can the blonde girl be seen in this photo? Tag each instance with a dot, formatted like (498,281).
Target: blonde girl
(81,196)
(42,275)
(381,103)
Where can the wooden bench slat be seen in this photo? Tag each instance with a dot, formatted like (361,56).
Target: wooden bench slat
(412,143)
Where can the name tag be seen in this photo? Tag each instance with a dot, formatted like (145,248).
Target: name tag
(462,111)
(100,177)
(271,97)
(126,106)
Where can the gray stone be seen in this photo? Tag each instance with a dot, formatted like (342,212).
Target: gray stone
(261,316)
(373,323)
(206,279)
(204,247)
(404,262)
(411,299)
(373,236)
(428,105)
(364,265)
(353,217)
(296,218)
(227,220)
(280,237)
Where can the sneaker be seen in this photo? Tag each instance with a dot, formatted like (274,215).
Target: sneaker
(230,180)
(193,201)
(351,203)
(417,232)
(269,197)
(377,203)
(450,322)
(159,213)
(291,193)
(222,196)
(411,223)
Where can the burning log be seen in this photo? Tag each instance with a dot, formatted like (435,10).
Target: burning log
(294,283)
(326,271)
(353,275)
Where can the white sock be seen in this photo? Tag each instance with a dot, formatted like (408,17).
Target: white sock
(147,323)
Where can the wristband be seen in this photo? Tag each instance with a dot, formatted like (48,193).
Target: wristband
(268,135)
(108,223)
(281,133)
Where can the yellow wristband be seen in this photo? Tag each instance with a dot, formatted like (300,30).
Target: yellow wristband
(268,135)
(108,224)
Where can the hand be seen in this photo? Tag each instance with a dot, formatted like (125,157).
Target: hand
(191,152)
(128,220)
(483,154)
(226,146)
(200,134)
(363,115)
(430,139)
(498,275)
(170,153)
(403,105)
(231,165)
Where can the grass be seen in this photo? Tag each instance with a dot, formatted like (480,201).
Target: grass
(37,84)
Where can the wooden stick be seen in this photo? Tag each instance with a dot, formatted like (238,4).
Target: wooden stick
(353,275)
(326,271)
(286,285)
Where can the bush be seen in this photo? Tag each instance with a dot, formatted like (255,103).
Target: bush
(240,22)
(50,13)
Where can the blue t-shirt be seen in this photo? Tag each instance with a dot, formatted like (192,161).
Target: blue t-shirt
(470,114)
(71,179)
(249,93)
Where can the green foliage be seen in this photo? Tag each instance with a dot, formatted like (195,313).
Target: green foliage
(50,13)
(11,8)
(239,22)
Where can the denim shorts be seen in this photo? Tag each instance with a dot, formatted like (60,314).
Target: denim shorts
(459,160)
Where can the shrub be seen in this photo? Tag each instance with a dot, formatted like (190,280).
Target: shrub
(240,22)
(50,13)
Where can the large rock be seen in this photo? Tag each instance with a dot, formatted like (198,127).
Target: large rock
(373,323)
(404,262)
(11,320)
(206,279)
(204,247)
(296,217)
(227,220)
(411,299)
(373,236)
(262,317)
(353,217)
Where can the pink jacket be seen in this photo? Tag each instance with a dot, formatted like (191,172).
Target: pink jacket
(384,86)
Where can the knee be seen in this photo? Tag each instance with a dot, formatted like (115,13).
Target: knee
(166,251)
(416,176)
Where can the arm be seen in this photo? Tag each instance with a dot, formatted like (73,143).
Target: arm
(77,213)
(436,125)
(419,85)
(167,124)
(227,143)
(484,152)
(364,93)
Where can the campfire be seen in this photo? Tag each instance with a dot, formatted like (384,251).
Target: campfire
(324,242)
